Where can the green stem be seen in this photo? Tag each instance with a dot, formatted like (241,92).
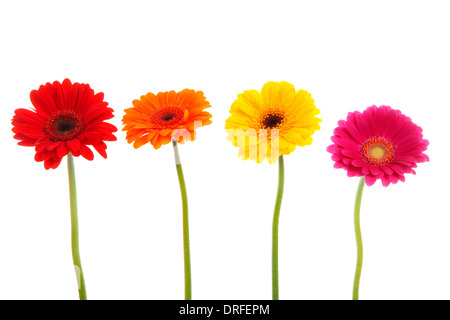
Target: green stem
(276,218)
(187,258)
(74,225)
(359,244)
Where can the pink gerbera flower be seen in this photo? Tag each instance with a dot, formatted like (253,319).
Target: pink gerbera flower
(380,143)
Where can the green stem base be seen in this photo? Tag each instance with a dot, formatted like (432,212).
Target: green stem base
(187,256)
(74,225)
(276,219)
(359,244)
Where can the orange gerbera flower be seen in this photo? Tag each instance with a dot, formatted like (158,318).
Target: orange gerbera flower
(159,118)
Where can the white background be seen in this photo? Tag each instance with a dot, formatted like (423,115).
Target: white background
(347,54)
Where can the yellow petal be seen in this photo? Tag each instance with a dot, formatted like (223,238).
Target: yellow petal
(278,94)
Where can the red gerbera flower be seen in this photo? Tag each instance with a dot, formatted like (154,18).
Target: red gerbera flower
(67,118)
(380,143)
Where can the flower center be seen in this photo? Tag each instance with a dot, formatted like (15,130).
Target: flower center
(377,151)
(64,125)
(272,120)
(167,116)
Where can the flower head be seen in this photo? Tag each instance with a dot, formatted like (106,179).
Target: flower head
(159,118)
(380,143)
(272,122)
(66,118)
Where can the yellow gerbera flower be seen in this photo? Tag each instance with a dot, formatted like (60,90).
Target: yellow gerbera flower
(272,122)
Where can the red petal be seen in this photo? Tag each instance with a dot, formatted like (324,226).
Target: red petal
(29,117)
(62,150)
(86,153)
(52,163)
(53,145)
(74,145)
(101,149)
(43,156)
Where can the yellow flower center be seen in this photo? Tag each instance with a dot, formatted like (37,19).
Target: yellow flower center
(377,151)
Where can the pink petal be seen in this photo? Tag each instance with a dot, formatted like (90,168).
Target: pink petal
(358,162)
(387,170)
(370,180)
(375,170)
(385,181)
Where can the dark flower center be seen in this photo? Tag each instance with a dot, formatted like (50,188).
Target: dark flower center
(64,125)
(168,116)
(272,120)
